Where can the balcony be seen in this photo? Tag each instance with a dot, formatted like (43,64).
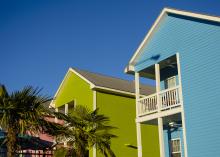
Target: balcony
(162,101)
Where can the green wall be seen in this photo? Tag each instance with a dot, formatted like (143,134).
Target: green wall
(121,111)
(74,88)
(150,140)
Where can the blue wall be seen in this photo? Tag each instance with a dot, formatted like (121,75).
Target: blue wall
(172,134)
(198,43)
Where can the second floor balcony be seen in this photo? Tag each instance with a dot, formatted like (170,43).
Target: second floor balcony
(164,100)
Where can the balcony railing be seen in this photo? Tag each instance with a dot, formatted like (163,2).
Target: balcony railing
(168,99)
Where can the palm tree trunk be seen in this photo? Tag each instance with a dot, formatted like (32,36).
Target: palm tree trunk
(11,142)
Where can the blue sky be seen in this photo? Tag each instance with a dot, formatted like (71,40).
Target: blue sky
(41,39)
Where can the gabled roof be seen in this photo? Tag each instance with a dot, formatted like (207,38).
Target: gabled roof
(107,83)
(104,82)
(130,67)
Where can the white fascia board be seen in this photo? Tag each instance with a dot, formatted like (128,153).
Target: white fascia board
(194,15)
(69,71)
(78,74)
(146,38)
(164,12)
(52,102)
(113,90)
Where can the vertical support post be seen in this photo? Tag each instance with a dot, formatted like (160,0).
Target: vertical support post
(157,75)
(94,108)
(66,113)
(160,119)
(139,143)
(56,120)
(138,125)
(181,101)
(137,92)
(66,109)
(161,139)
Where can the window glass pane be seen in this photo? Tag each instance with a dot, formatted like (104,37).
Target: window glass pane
(170,82)
(175,148)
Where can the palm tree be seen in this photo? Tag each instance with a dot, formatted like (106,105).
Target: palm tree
(87,129)
(22,112)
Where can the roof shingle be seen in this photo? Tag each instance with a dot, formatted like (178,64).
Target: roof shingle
(114,83)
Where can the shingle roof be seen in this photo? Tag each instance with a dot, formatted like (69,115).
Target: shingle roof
(114,83)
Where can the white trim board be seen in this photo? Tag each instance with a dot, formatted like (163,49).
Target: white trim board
(164,12)
(157,115)
(52,102)
(68,72)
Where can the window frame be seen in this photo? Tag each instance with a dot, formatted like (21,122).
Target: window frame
(171,147)
(166,82)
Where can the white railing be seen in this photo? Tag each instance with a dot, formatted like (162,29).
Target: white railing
(148,104)
(168,99)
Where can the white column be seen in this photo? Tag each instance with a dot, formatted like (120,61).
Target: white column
(94,108)
(66,113)
(66,109)
(137,91)
(181,100)
(138,125)
(139,144)
(56,120)
(160,119)
(157,75)
(161,139)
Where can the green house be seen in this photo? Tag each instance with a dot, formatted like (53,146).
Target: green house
(116,99)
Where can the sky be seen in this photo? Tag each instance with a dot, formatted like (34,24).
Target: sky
(41,39)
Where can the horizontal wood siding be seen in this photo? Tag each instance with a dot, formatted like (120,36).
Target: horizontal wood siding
(198,43)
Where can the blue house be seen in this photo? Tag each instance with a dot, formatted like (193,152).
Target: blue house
(181,52)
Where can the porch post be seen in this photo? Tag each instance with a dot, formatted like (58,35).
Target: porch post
(138,125)
(181,101)
(56,120)
(161,139)
(160,119)
(94,108)
(157,75)
(66,110)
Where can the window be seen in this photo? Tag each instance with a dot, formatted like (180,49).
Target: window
(170,82)
(175,146)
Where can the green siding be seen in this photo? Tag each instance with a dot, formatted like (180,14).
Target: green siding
(74,88)
(121,111)
(150,140)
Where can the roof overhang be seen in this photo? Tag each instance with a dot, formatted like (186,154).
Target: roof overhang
(130,67)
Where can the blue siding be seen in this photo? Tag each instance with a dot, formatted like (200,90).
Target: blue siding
(168,135)
(198,43)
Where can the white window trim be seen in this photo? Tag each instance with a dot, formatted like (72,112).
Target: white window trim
(174,139)
(166,82)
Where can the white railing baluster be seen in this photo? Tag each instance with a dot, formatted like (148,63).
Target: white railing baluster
(169,99)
